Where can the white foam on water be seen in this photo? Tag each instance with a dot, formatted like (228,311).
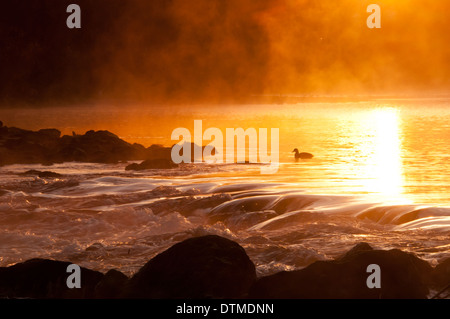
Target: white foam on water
(103,217)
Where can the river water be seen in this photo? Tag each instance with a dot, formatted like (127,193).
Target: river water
(379,174)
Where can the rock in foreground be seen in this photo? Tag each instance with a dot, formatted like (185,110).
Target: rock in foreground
(441,277)
(215,267)
(45,279)
(197,268)
(403,276)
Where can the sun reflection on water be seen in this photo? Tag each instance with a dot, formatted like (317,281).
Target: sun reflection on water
(383,167)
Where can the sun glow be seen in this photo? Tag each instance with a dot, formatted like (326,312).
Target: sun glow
(383,149)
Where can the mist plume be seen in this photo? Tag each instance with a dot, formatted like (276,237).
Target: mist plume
(172,51)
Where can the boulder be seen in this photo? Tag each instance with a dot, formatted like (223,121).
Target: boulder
(45,279)
(97,147)
(50,133)
(197,268)
(46,146)
(111,285)
(157,151)
(403,276)
(359,248)
(48,174)
(441,274)
(195,150)
(45,174)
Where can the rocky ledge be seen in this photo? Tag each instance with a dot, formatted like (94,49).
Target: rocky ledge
(47,146)
(218,268)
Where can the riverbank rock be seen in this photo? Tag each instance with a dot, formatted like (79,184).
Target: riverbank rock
(97,147)
(403,276)
(47,146)
(196,151)
(197,268)
(111,286)
(45,279)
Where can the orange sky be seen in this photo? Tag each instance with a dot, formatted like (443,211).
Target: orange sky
(219,50)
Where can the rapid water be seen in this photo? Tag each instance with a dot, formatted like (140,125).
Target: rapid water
(102,217)
(380,175)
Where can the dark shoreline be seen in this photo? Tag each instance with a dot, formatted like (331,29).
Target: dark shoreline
(47,147)
(213,267)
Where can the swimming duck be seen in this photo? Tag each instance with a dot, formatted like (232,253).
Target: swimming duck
(302,155)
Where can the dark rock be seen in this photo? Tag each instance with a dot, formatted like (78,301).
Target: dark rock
(50,133)
(359,248)
(48,174)
(45,279)
(45,174)
(441,274)
(1,124)
(111,285)
(31,172)
(133,167)
(18,146)
(97,147)
(403,276)
(195,149)
(152,164)
(157,151)
(95,247)
(46,146)
(197,268)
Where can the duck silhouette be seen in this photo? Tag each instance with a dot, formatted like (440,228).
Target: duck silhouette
(302,155)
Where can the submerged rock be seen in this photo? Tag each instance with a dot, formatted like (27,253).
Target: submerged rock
(403,276)
(45,174)
(197,268)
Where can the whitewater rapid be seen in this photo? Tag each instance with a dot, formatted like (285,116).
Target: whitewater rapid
(102,217)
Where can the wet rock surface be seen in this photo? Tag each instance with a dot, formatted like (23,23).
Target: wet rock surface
(215,267)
